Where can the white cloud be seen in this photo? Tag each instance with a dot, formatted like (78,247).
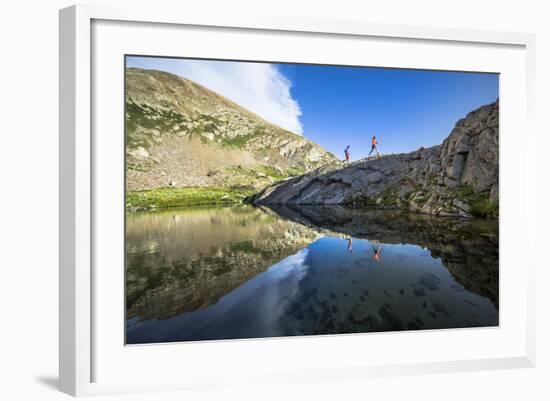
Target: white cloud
(258,87)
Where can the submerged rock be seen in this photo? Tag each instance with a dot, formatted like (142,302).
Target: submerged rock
(359,314)
(429,281)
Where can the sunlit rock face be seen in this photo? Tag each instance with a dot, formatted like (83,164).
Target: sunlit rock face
(457,178)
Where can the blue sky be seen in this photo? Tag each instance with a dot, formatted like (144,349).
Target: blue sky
(337,106)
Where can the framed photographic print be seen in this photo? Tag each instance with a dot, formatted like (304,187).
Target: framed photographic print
(294,200)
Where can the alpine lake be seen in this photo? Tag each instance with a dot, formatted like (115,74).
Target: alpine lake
(235,272)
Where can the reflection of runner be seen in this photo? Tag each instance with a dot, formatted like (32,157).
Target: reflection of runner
(377,249)
(350,245)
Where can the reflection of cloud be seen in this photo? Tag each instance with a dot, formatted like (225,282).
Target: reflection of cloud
(284,285)
(258,304)
(293,264)
(281,282)
(258,87)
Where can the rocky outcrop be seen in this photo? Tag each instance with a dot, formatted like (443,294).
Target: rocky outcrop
(180,132)
(457,178)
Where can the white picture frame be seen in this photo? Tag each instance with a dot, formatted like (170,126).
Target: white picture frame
(79,215)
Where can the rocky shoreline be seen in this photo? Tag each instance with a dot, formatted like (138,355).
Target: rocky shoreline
(457,178)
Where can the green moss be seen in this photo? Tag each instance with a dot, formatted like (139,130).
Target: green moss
(271,172)
(295,171)
(237,142)
(241,171)
(206,123)
(137,167)
(389,198)
(268,171)
(480,204)
(149,118)
(420,200)
(240,141)
(189,196)
(465,192)
(246,246)
(433,179)
(484,208)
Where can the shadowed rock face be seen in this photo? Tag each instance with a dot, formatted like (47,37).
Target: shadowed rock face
(467,247)
(457,178)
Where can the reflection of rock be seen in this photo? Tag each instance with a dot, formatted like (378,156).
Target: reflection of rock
(171,281)
(389,318)
(419,291)
(457,287)
(441,308)
(429,281)
(467,248)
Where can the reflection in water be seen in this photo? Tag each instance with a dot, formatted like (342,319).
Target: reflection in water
(244,272)
(350,244)
(376,250)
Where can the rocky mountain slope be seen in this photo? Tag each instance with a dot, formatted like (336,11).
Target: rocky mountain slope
(180,134)
(457,178)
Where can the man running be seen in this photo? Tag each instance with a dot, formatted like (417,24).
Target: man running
(347,154)
(373,147)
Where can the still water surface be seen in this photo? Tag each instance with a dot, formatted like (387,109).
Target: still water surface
(244,272)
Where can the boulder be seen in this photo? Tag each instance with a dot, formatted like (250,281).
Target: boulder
(139,153)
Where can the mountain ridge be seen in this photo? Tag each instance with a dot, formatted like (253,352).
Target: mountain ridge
(181,134)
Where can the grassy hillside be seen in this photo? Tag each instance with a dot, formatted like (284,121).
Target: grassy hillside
(181,135)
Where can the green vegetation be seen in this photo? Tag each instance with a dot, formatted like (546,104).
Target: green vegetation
(150,118)
(137,167)
(141,119)
(389,198)
(485,208)
(268,171)
(239,141)
(277,174)
(246,246)
(295,171)
(421,199)
(480,203)
(189,196)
